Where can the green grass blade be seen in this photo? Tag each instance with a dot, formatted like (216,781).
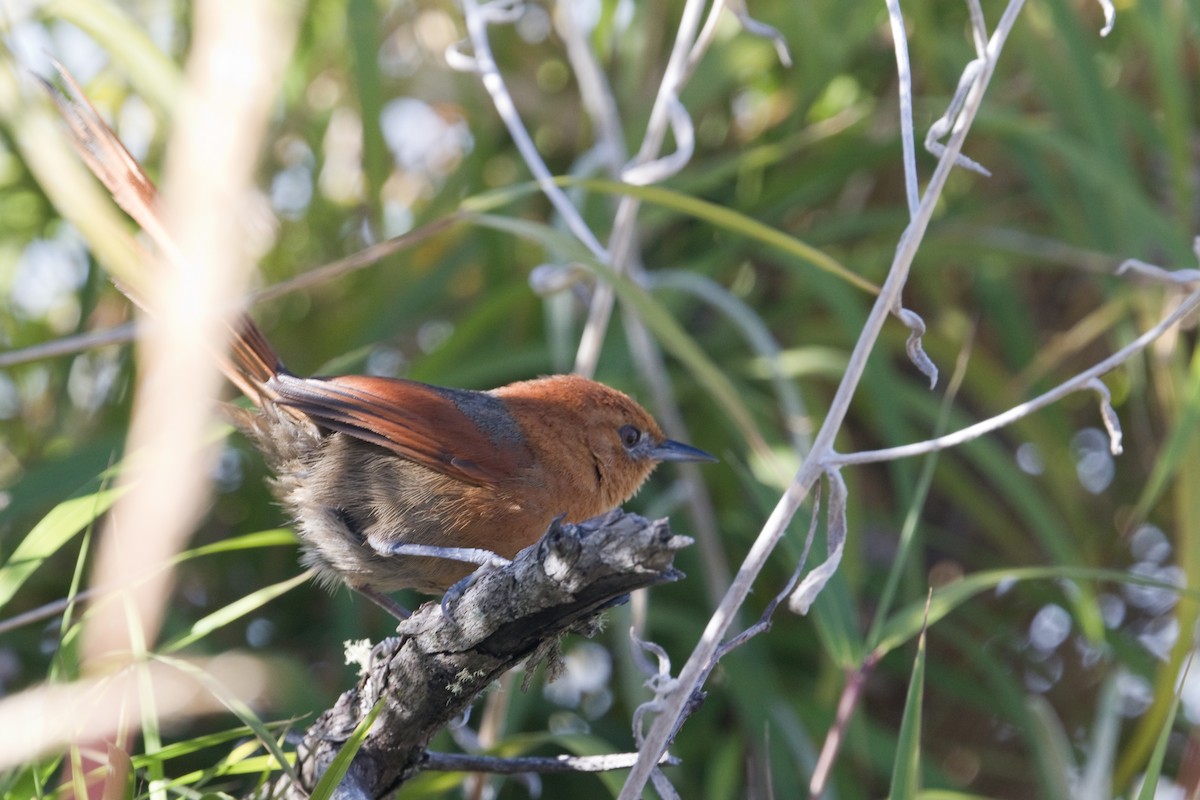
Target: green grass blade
(734,222)
(50,534)
(275,537)
(238,708)
(234,611)
(906,623)
(341,762)
(906,773)
(1154,766)
(1098,772)
(1053,753)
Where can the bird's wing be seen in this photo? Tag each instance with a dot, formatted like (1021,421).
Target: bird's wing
(422,423)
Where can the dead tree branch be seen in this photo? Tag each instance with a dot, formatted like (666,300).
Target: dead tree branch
(432,672)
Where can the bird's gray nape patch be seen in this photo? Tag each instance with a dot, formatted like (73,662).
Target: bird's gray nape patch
(488,413)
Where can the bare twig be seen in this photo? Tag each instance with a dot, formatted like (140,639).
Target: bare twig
(1112,423)
(478,17)
(764,621)
(69,345)
(916,352)
(51,609)
(912,190)
(546,765)
(356,261)
(1179,277)
(847,703)
(814,465)
(624,233)
(1110,16)
(439,665)
(835,532)
(1079,382)
(594,90)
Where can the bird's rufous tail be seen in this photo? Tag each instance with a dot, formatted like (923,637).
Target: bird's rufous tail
(252,361)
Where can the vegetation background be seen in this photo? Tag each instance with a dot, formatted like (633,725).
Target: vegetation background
(1057,646)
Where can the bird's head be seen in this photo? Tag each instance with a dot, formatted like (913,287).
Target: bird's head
(606,438)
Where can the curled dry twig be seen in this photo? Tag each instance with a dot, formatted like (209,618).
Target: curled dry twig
(819,460)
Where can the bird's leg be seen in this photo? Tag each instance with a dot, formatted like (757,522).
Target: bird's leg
(486,560)
(469,555)
(383,601)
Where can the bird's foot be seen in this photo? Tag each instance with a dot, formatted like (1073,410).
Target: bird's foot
(455,592)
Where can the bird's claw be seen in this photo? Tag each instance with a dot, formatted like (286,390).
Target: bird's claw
(458,589)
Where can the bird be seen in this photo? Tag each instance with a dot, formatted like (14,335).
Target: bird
(394,484)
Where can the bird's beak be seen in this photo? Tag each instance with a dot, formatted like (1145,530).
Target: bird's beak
(671,450)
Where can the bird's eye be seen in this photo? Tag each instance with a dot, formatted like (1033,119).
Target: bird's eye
(629,435)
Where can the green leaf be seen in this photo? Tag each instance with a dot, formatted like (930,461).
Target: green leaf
(238,708)
(908,621)
(906,773)
(732,221)
(1154,767)
(50,534)
(341,762)
(1053,753)
(234,611)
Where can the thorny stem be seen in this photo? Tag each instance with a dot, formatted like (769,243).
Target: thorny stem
(813,465)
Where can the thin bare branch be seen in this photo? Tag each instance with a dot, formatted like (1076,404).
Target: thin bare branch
(643,174)
(478,17)
(1178,277)
(594,90)
(709,32)
(814,465)
(1081,381)
(546,765)
(356,261)
(764,621)
(622,241)
(904,78)
(847,703)
(978,27)
(69,345)
(1110,16)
